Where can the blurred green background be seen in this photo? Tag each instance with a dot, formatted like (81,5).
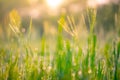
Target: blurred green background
(59,39)
(45,12)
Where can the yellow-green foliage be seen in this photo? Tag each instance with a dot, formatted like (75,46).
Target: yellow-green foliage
(15,21)
(68,61)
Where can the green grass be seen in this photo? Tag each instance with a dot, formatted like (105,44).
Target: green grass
(20,60)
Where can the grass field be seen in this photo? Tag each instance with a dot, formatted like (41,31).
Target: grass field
(61,59)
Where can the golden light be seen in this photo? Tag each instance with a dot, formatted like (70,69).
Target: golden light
(54,3)
(95,3)
(32,1)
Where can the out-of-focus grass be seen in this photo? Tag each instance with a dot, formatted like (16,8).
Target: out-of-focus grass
(20,60)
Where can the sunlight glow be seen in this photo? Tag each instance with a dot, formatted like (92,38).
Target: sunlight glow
(54,3)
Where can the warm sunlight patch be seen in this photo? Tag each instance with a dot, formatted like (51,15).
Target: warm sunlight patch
(54,3)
